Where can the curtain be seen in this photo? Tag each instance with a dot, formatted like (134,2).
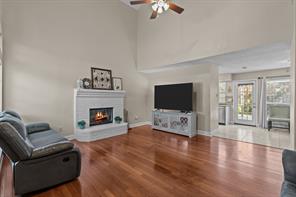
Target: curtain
(262,109)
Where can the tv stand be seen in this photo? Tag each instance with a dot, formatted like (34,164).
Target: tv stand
(175,122)
(185,112)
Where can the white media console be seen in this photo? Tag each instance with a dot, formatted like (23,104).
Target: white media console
(175,122)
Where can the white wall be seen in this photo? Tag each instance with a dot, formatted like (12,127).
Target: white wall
(214,97)
(293,81)
(209,28)
(1,60)
(204,80)
(225,77)
(51,44)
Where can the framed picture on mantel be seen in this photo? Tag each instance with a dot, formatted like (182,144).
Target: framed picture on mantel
(101,79)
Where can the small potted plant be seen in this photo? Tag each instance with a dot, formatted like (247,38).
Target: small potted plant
(118,119)
(81,124)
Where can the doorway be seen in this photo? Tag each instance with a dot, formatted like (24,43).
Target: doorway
(245,103)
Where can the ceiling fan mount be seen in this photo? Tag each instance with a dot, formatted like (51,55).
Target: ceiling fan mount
(159,6)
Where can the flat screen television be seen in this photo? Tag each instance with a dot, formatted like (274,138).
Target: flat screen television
(173,97)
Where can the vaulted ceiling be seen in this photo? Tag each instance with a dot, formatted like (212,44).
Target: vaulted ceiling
(264,57)
(127,2)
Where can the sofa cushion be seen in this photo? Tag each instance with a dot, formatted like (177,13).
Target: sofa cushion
(51,149)
(12,143)
(288,189)
(45,138)
(37,127)
(15,122)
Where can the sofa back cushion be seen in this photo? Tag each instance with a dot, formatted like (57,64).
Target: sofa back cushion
(13,144)
(15,122)
(13,113)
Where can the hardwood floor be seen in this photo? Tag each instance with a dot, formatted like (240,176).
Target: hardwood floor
(154,163)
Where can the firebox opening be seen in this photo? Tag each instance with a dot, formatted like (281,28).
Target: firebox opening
(100,116)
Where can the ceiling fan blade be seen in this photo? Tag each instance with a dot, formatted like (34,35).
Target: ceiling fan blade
(141,2)
(176,8)
(154,14)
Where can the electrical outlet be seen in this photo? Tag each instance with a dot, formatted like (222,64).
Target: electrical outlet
(136,117)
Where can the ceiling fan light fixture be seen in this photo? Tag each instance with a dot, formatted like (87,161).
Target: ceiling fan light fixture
(166,6)
(154,6)
(160,10)
(160,6)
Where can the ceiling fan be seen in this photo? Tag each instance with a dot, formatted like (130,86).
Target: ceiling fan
(159,6)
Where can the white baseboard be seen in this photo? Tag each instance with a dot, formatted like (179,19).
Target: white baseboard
(205,133)
(138,124)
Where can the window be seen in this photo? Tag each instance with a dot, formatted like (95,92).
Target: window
(278,100)
(278,90)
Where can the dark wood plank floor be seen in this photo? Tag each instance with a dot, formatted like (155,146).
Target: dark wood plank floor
(153,163)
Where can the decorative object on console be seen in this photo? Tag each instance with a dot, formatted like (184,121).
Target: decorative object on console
(117,83)
(118,119)
(81,124)
(79,83)
(101,79)
(86,83)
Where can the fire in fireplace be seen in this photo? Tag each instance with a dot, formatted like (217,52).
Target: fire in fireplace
(100,116)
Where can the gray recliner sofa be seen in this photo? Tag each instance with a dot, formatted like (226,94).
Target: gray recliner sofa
(40,156)
(289,164)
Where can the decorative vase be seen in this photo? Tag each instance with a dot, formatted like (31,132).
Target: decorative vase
(79,83)
(81,124)
(118,119)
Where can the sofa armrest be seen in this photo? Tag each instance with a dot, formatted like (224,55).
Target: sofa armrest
(45,172)
(289,164)
(37,127)
(51,149)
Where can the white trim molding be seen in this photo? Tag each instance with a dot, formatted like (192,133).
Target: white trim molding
(139,124)
(205,133)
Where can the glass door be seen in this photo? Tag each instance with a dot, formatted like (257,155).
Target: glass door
(245,103)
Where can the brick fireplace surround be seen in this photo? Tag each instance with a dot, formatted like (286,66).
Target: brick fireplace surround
(86,99)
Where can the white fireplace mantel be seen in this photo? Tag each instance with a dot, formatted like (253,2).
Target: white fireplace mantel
(86,99)
(99,93)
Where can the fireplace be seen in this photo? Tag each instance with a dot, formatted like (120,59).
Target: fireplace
(99,116)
